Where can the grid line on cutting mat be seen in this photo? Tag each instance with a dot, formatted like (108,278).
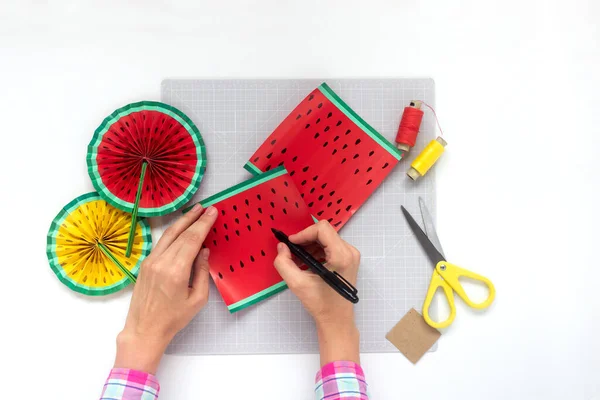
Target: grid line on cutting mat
(234,118)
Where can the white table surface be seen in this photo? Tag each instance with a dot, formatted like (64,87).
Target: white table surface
(517,94)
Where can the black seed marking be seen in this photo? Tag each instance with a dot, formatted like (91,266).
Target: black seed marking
(273,141)
(338,123)
(329,204)
(311,203)
(355,156)
(249,228)
(329,115)
(285,199)
(231,268)
(357,141)
(318,120)
(227,238)
(312,96)
(315,177)
(273,190)
(220,275)
(237,221)
(330,220)
(307,126)
(283,150)
(252,258)
(247,216)
(258,197)
(338,211)
(225,225)
(316,135)
(214,230)
(337,224)
(320,213)
(241,264)
(272,218)
(298,116)
(326,129)
(345,146)
(294,159)
(348,208)
(369,169)
(371,153)
(234,208)
(237,232)
(280,164)
(262,253)
(285,183)
(325,144)
(343,160)
(356,171)
(334,151)
(296,204)
(369,181)
(348,132)
(303,182)
(270,155)
(259,222)
(309,111)
(320,105)
(272,204)
(268,168)
(321,197)
(385,165)
(339,200)
(284,211)
(305,169)
(302,195)
(256,159)
(323,185)
(335,139)
(312,190)
(260,210)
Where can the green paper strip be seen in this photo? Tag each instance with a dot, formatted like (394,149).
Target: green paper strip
(350,113)
(240,187)
(134,214)
(255,298)
(124,270)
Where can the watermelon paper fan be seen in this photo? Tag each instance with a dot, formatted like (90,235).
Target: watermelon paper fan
(86,246)
(146,158)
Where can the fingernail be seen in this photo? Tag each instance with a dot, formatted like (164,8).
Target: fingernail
(197,207)
(211,211)
(205,253)
(280,246)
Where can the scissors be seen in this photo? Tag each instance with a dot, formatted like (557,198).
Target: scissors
(445,275)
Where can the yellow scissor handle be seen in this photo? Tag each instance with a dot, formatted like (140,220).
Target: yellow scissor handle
(450,273)
(438,282)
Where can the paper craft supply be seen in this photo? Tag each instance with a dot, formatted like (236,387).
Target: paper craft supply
(336,281)
(146,158)
(242,246)
(412,336)
(235,117)
(445,275)
(86,246)
(334,157)
(410,124)
(426,158)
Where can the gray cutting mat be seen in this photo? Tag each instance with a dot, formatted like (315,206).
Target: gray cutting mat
(234,117)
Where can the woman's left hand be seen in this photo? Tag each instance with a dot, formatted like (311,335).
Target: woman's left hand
(163,302)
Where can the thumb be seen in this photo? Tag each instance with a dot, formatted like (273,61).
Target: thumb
(199,290)
(286,267)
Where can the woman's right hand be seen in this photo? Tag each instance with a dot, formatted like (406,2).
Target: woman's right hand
(333,315)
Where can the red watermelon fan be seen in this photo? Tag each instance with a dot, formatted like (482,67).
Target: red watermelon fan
(146,158)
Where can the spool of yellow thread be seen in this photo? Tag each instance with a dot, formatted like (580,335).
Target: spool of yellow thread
(427,158)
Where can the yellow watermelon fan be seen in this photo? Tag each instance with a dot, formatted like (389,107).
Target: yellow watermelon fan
(87,242)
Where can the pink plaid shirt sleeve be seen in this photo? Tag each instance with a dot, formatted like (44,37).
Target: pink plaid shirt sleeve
(128,384)
(341,380)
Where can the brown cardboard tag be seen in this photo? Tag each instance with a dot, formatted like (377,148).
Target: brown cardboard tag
(412,336)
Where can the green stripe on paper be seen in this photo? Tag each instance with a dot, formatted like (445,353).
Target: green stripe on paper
(176,114)
(240,187)
(255,298)
(349,112)
(253,169)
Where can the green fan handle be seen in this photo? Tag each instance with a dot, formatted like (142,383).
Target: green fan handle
(134,213)
(112,258)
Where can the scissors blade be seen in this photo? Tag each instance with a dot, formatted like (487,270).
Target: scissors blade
(429,227)
(433,254)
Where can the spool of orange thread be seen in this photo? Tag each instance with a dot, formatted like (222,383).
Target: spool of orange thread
(427,158)
(409,126)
